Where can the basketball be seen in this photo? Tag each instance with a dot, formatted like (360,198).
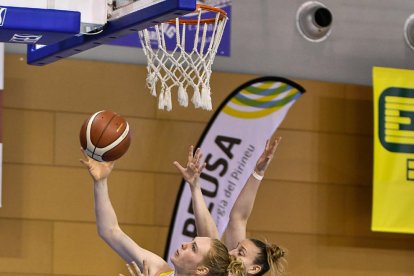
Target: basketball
(105,136)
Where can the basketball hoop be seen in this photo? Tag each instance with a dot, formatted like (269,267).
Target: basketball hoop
(179,69)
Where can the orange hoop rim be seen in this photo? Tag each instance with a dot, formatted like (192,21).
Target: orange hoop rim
(223,15)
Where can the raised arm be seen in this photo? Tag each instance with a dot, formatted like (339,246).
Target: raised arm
(206,227)
(107,222)
(242,208)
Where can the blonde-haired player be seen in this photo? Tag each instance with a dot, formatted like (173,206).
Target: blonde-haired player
(258,256)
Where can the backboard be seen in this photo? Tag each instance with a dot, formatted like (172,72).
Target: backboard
(56,29)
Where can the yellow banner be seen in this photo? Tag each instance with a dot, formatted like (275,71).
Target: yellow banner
(393,199)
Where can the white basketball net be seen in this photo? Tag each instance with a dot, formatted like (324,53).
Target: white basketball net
(180,70)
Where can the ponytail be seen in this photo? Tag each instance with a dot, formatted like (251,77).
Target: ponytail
(276,259)
(270,257)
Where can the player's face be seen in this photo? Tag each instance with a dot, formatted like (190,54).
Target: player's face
(191,254)
(246,251)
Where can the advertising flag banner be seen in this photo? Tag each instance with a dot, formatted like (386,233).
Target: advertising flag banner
(393,187)
(231,144)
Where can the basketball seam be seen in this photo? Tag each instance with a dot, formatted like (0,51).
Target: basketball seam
(103,131)
(114,144)
(88,134)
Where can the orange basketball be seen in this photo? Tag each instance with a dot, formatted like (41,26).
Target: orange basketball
(105,136)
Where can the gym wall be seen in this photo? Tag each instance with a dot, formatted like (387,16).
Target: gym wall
(315,199)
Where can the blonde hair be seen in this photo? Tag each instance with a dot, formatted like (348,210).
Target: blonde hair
(220,263)
(236,267)
(270,257)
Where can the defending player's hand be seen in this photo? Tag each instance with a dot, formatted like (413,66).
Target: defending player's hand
(98,170)
(192,172)
(267,155)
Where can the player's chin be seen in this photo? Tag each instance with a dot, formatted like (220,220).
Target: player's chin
(173,258)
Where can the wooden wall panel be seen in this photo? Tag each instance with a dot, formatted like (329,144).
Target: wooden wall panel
(78,86)
(24,274)
(56,193)
(50,193)
(319,208)
(25,246)
(79,244)
(323,158)
(28,136)
(166,190)
(332,107)
(318,187)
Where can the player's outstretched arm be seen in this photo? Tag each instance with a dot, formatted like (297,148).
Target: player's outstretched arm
(205,224)
(242,208)
(107,222)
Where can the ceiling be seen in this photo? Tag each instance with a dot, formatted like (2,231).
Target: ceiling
(265,41)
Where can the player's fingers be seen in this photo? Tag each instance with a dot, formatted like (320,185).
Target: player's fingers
(197,162)
(276,143)
(192,166)
(178,165)
(267,145)
(197,154)
(85,163)
(134,264)
(111,164)
(202,167)
(190,153)
(279,139)
(84,154)
(145,268)
(130,270)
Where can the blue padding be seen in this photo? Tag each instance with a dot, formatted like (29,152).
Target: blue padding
(41,26)
(126,25)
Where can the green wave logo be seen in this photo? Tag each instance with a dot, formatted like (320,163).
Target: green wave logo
(261,99)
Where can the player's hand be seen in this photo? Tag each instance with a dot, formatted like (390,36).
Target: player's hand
(267,155)
(98,170)
(134,270)
(191,173)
